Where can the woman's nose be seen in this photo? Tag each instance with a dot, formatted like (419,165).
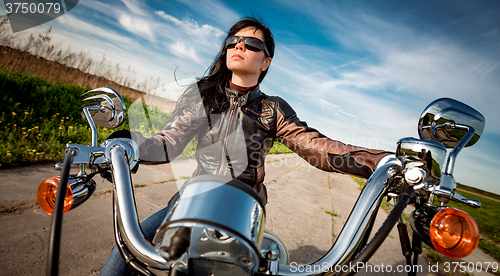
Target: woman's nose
(240,46)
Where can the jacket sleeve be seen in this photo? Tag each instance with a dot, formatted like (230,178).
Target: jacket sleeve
(172,139)
(319,150)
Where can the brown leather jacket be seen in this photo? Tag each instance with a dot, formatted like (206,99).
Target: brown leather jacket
(236,143)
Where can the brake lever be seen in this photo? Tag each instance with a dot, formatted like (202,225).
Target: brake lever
(474,203)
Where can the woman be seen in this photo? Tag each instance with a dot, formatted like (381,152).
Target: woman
(236,124)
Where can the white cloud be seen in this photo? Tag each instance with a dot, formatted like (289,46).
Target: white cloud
(137,26)
(93,30)
(135,7)
(180,49)
(169,18)
(193,30)
(188,38)
(329,107)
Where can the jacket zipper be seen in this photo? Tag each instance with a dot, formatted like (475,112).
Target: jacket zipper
(232,114)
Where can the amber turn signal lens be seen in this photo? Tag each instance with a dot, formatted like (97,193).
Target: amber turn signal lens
(47,192)
(454,233)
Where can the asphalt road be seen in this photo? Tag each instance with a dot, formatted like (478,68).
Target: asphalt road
(299,196)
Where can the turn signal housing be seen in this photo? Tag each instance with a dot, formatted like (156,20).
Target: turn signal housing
(47,192)
(454,233)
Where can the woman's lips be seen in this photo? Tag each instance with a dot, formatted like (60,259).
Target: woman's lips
(237,57)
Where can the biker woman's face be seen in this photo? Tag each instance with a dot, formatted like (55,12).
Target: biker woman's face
(245,64)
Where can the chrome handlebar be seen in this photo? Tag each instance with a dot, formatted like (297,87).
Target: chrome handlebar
(120,155)
(125,215)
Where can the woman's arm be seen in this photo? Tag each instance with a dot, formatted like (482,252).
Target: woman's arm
(166,145)
(319,150)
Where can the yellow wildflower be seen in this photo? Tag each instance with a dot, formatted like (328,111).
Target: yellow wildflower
(25,112)
(60,128)
(70,126)
(34,150)
(57,113)
(39,134)
(8,154)
(36,126)
(15,124)
(67,118)
(14,113)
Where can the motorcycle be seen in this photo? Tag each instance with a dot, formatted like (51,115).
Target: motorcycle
(195,239)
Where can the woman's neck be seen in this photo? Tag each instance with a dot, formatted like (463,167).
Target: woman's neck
(241,90)
(247,81)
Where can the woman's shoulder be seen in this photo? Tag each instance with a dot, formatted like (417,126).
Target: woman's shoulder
(271,98)
(277,103)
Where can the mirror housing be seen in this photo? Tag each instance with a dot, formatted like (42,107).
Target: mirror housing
(108,107)
(447,121)
(103,107)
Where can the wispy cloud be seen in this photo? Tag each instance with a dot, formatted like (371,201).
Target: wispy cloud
(215,10)
(193,31)
(135,7)
(191,39)
(78,25)
(137,26)
(328,106)
(180,49)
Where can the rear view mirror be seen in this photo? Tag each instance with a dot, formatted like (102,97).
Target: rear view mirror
(105,106)
(448,121)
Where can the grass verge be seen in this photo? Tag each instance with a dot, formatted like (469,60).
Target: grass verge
(486,217)
(490,247)
(360,181)
(279,148)
(39,117)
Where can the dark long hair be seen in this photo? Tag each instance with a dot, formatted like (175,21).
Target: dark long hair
(212,86)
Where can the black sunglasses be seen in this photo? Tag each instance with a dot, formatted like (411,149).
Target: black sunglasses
(251,43)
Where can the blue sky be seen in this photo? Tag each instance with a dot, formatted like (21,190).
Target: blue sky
(359,71)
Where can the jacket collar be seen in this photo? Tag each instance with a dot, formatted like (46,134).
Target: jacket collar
(244,99)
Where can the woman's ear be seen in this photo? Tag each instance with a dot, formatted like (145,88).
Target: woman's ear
(266,63)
